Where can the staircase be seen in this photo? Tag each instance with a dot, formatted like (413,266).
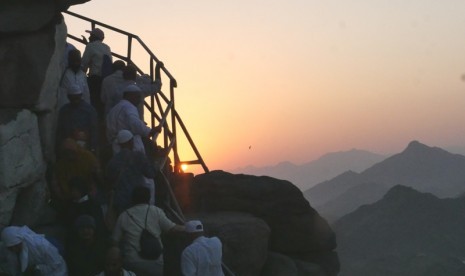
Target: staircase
(160,107)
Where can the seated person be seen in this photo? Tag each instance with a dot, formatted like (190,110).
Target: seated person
(28,252)
(86,252)
(130,225)
(114,264)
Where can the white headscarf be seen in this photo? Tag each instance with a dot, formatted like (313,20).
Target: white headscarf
(11,236)
(14,235)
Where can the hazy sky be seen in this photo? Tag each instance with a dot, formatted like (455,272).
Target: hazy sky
(298,78)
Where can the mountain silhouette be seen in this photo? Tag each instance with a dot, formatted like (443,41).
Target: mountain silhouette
(324,168)
(427,169)
(404,233)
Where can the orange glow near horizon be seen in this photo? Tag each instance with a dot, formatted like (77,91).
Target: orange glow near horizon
(261,82)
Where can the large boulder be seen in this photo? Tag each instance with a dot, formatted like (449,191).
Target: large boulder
(7,205)
(33,37)
(25,16)
(296,228)
(282,265)
(24,62)
(21,161)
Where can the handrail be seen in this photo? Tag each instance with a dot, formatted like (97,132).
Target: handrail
(170,137)
(156,101)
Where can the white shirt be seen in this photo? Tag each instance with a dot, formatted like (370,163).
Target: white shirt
(202,257)
(125,115)
(71,78)
(127,231)
(110,90)
(113,88)
(92,58)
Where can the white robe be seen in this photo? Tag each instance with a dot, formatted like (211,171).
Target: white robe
(36,253)
(69,79)
(125,115)
(202,257)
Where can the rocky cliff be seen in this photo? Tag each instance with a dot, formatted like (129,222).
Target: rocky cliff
(299,238)
(32,41)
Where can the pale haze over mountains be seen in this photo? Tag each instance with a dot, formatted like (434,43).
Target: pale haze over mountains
(405,233)
(326,167)
(426,169)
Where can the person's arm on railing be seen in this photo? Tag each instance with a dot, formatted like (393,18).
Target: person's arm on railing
(157,82)
(154,132)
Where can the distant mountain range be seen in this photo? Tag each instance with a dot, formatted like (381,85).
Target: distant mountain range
(324,168)
(427,169)
(404,233)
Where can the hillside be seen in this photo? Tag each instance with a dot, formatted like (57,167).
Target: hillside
(324,168)
(405,233)
(424,168)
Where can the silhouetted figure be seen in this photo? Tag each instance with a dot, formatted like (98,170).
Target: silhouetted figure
(96,58)
(73,75)
(130,225)
(125,115)
(86,251)
(83,204)
(78,119)
(203,256)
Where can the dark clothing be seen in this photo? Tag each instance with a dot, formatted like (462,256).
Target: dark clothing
(95,87)
(82,117)
(87,207)
(125,171)
(86,260)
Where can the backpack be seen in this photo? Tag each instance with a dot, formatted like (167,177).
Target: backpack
(150,245)
(107,66)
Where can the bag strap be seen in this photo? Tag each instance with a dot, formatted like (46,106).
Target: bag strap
(146,214)
(133,219)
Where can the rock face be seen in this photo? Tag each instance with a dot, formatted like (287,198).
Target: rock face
(27,16)
(33,37)
(296,229)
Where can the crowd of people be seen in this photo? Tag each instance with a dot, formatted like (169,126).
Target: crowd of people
(102,184)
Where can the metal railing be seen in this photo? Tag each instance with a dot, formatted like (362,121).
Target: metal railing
(161,107)
(157,113)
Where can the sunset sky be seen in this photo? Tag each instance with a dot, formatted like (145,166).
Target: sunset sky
(296,79)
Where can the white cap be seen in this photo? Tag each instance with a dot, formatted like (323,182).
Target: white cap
(194,226)
(132,88)
(124,136)
(74,90)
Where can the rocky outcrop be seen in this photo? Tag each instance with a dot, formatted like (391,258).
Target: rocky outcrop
(282,265)
(33,37)
(21,159)
(296,229)
(27,16)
